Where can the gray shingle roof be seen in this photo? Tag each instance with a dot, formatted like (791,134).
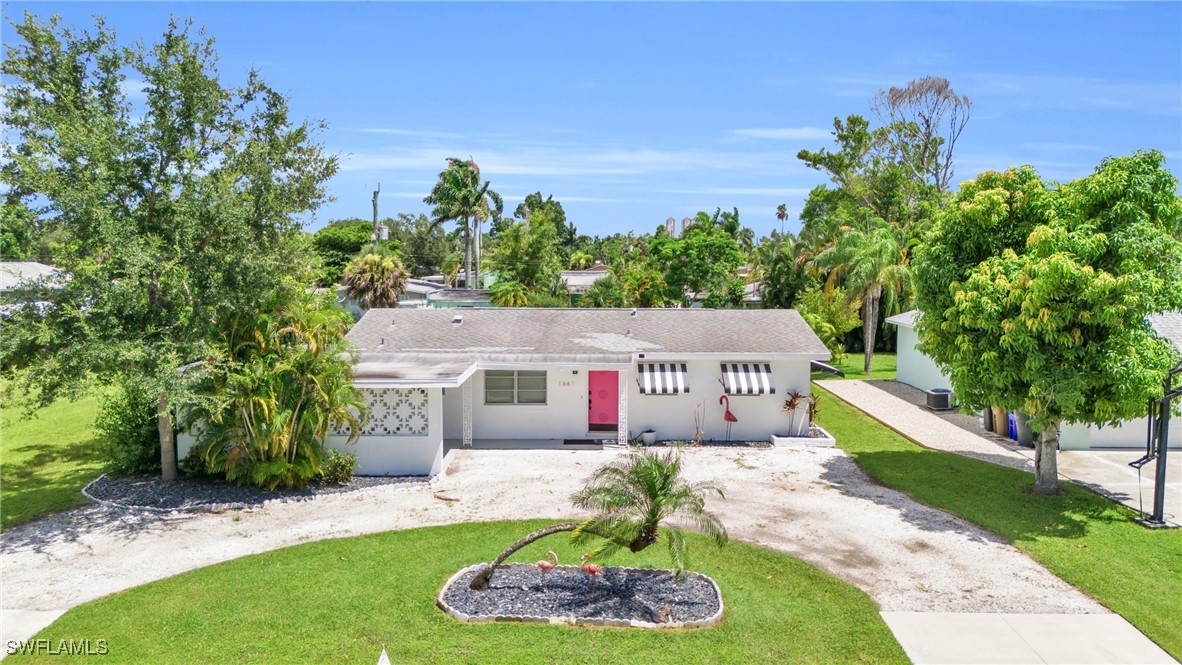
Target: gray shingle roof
(906,319)
(590,335)
(17,273)
(1168,325)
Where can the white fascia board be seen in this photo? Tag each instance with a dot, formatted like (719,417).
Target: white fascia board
(484,365)
(454,382)
(753,357)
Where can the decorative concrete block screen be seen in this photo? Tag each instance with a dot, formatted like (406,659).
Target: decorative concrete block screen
(393,412)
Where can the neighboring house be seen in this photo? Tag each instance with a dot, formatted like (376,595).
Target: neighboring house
(920,371)
(578,281)
(415,295)
(913,367)
(450,297)
(16,275)
(752,296)
(534,377)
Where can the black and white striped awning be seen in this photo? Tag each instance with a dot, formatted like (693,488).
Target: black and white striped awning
(662,378)
(747,379)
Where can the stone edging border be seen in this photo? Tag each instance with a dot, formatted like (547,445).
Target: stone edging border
(709,621)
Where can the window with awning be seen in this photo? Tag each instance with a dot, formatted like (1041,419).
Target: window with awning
(662,378)
(748,379)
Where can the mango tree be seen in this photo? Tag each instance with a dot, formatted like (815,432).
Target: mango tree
(1034,297)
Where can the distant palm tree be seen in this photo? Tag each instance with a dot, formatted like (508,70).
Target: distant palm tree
(509,293)
(580,260)
(374,280)
(460,196)
(873,266)
(782,215)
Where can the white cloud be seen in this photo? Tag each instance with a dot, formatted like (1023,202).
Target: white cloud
(134,89)
(569,161)
(415,133)
(744,191)
(787,133)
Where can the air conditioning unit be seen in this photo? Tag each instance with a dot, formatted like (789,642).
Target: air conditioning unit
(939,399)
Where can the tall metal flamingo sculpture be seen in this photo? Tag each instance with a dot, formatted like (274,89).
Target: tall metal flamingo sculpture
(728,416)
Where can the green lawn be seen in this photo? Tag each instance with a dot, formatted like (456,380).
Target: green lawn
(343,600)
(46,461)
(882,366)
(1082,537)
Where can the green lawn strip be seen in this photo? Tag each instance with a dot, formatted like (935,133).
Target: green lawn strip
(47,460)
(882,366)
(1087,540)
(343,600)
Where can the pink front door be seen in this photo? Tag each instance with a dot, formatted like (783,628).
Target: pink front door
(603,401)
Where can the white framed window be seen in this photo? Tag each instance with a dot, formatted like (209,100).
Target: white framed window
(513,386)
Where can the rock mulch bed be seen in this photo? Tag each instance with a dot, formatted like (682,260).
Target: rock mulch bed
(198,493)
(621,597)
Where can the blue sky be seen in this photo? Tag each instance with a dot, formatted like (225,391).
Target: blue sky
(631,113)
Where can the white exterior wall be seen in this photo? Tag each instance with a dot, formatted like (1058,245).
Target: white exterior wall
(563,416)
(914,368)
(400,455)
(1129,434)
(919,371)
(759,416)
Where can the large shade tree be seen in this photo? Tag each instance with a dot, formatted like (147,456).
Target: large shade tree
(460,196)
(1034,297)
(176,206)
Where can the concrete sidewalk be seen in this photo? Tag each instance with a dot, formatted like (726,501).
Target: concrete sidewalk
(1056,639)
(1011,638)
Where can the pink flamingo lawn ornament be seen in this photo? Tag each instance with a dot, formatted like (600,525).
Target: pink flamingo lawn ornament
(728,416)
(545,566)
(591,569)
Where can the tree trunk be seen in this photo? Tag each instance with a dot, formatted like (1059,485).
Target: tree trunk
(467,255)
(476,255)
(480,581)
(167,440)
(869,327)
(1046,465)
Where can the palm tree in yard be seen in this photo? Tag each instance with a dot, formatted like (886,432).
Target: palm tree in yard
(873,266)
(374,279)
(632,498)
(459,195)
(509,293)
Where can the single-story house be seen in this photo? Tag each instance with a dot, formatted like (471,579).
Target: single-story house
(453,297)
(16,275)
(578,281)
(415,295)
(495,377)
(920,371)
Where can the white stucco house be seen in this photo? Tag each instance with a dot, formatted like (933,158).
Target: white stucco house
(920,371)
(492,377)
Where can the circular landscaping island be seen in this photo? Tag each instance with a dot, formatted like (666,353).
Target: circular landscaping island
(619,597)
(343,600)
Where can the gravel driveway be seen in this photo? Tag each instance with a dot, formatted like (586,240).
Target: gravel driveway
(815,504)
